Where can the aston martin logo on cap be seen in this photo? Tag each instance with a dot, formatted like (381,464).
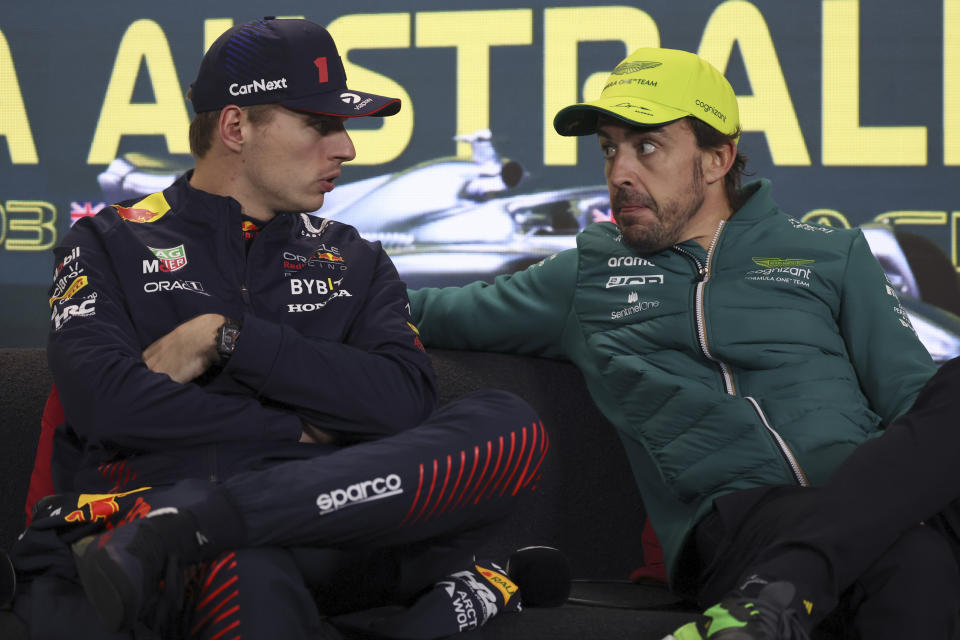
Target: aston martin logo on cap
(635,107)
(634,66)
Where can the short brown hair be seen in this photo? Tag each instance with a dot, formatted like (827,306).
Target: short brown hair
(709,138)
(204,124)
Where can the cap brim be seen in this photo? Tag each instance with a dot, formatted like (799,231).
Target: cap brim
(345,104)
(581,119)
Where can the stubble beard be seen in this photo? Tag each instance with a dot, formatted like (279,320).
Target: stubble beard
(671,217)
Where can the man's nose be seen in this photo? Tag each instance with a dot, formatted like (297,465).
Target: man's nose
(623,169)
(343,149)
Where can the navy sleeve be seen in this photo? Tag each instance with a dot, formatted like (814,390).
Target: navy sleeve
(110,397)
(377,381)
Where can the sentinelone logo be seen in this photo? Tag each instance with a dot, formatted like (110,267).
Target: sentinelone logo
(366,491)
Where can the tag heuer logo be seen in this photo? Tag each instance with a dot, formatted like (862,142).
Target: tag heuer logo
(775,263)
(632,67)
(171,259)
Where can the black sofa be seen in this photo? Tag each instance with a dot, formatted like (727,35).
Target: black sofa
(586,504)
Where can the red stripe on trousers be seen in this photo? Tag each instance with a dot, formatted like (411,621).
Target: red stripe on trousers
(493,474)
(466,486)
(446,480)
(533,448)
(433,483)
(453,491)
(416,497)
(523,447)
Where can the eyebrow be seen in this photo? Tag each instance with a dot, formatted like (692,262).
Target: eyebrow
(317,118)
(634,131)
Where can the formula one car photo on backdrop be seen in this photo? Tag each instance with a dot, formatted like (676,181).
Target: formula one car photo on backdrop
(451,221)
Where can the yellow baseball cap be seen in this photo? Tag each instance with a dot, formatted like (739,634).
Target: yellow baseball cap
(652,87)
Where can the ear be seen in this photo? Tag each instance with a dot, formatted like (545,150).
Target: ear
(718,160)
(230,127)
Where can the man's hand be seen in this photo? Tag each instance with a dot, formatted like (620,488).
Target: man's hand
(315,435)
(187,351)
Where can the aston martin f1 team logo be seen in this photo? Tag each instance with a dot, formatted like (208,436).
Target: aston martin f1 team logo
(634,66)
(776,263)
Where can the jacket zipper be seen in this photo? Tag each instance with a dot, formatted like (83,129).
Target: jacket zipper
(791,460)
(703,276)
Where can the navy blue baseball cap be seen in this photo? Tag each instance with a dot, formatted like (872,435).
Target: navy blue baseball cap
(281,61)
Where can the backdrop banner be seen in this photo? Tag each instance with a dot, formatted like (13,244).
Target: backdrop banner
(851,107)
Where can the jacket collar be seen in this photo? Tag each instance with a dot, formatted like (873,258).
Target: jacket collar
(200,206)
(759,205)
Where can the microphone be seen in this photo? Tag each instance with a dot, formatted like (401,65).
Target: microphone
(542,574)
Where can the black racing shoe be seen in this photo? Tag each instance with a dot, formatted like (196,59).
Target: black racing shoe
(769,616)
(122,569)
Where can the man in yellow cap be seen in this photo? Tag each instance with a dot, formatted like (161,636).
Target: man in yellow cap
(749,361)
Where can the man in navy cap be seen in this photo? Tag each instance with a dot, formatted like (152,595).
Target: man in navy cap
(245,394)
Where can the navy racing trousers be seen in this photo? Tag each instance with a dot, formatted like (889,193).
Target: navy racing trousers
(345,527)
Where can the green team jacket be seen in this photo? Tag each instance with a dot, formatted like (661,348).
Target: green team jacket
(764,360)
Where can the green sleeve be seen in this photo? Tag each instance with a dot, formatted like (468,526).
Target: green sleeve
(891,362)
(522,313)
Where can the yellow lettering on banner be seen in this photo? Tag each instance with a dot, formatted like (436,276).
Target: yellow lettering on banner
(954,229)
(951,82)
(826,217)
(376,31)
(770,109)
(3,225)
(44,220)
(473,33)
(144,41)
(912,217)
(925,218)
(845,142)
(14,125)
(213,28)
(564,29)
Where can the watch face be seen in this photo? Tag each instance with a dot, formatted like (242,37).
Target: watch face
(227,340)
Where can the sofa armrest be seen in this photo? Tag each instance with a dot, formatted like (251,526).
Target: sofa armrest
(24,385)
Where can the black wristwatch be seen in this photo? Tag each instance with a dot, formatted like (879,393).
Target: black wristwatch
(227,336)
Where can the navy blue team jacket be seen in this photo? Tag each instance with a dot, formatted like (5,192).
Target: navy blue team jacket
(326,336)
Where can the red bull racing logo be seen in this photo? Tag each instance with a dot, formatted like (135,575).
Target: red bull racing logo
(327,256)
(96,507)
(250,230)
(322,257)
(150,209)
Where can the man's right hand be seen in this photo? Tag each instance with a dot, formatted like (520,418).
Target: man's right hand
(315,435)
(188,350)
